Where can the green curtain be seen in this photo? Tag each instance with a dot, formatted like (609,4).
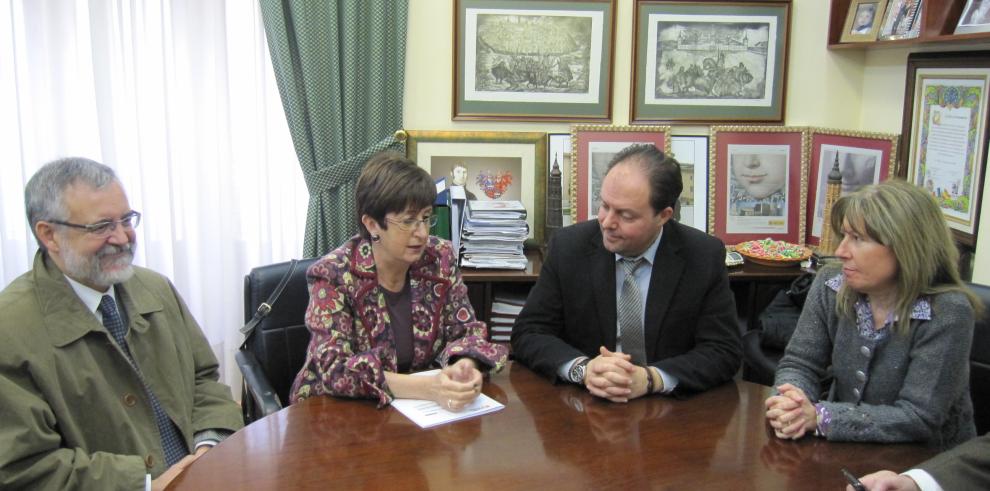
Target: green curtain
(339,66)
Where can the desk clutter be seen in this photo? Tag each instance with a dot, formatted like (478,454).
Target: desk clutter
(487,234)
(506,307)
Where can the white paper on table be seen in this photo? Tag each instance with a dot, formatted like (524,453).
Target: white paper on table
(428,414)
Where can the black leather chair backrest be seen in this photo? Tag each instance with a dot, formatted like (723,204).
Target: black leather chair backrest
(979,367)
(281,338)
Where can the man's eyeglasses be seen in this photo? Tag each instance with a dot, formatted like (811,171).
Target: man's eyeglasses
(410,224)
(106,227)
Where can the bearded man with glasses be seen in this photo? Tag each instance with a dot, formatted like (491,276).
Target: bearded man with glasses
(106,380)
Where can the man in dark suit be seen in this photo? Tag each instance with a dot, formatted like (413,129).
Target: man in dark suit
(682,338)
(965,467)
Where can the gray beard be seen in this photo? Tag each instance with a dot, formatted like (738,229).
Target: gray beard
(90,270)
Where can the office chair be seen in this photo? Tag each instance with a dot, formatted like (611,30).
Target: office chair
(277,350)
(979,363)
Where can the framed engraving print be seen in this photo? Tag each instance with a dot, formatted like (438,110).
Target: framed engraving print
(499,165)
(592,148)
(863,158)
(521,60)
(759,180)
(709,61)
(945,128)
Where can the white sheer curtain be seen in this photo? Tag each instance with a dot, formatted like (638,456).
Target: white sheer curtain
(179,97)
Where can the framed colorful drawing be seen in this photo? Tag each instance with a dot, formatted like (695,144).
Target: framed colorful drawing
(709,61)
(497,166)
(945,133)
(522,60)
(862,158)
(592,148)
(759,177)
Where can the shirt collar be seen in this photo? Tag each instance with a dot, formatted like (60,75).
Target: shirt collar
(90,297)
(648,254)
(921,310)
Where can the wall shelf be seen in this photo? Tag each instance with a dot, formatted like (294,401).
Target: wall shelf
(938,22)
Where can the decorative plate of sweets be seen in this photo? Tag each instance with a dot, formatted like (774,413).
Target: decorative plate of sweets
(773,252)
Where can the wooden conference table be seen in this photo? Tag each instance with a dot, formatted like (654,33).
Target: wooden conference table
(547,437)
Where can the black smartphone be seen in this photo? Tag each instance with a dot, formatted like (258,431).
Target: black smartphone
(853,481)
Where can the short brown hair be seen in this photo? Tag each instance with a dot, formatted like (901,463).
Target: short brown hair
(662,171)
(391,183)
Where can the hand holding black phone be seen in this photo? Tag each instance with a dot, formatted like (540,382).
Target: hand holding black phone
(853,481)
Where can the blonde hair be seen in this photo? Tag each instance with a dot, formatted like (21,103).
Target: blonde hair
(907,220)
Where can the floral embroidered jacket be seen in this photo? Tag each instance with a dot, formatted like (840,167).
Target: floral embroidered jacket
(351,345)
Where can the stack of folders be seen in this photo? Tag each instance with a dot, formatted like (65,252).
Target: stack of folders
(492,235)
(505,309)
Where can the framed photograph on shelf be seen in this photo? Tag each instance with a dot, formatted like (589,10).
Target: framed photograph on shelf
(518,60)
(592,148)
(758,176)
(559,155)
(692,153)
(975,17)
(945,133)
(498,165)
(862,158)
(863,20)
(697,61)
(902,20)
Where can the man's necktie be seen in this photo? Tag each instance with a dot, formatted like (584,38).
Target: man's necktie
(631,314)
(175,449)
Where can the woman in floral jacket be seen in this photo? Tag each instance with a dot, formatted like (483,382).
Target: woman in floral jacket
(390,301)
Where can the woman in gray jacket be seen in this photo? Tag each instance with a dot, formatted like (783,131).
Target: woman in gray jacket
(892,329)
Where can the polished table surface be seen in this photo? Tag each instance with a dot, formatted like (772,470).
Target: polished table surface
(547,437)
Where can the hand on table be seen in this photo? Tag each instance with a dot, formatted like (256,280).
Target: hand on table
(456,385)
(612,376)
(790,413)
(887,481)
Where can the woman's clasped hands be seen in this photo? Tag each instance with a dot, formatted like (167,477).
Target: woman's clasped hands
(790,413)
(457,385)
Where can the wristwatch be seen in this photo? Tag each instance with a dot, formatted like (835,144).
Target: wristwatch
(576,373)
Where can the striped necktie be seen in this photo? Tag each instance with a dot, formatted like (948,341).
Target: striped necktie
(631,313)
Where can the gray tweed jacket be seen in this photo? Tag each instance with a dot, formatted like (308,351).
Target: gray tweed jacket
(904,387)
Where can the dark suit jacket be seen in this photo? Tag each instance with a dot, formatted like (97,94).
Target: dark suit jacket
(965,467)
(691,328)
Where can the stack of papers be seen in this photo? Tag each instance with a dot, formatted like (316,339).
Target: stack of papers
(492,235)
(428,414)
(505,309)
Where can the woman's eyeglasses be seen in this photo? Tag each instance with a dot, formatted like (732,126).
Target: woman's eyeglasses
(410,224)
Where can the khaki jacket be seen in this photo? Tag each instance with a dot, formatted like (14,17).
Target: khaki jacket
(73,413)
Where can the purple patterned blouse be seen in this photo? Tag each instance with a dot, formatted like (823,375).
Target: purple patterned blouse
(351,346)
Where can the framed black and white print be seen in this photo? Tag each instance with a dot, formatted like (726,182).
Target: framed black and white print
(709,61)
(521,60)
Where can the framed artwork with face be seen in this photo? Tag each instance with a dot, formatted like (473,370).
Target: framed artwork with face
(759,177)
(862,158)
(491,165)
(592,148)
(863,20)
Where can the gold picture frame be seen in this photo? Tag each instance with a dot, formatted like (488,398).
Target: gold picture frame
(863,21)
(526,151)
